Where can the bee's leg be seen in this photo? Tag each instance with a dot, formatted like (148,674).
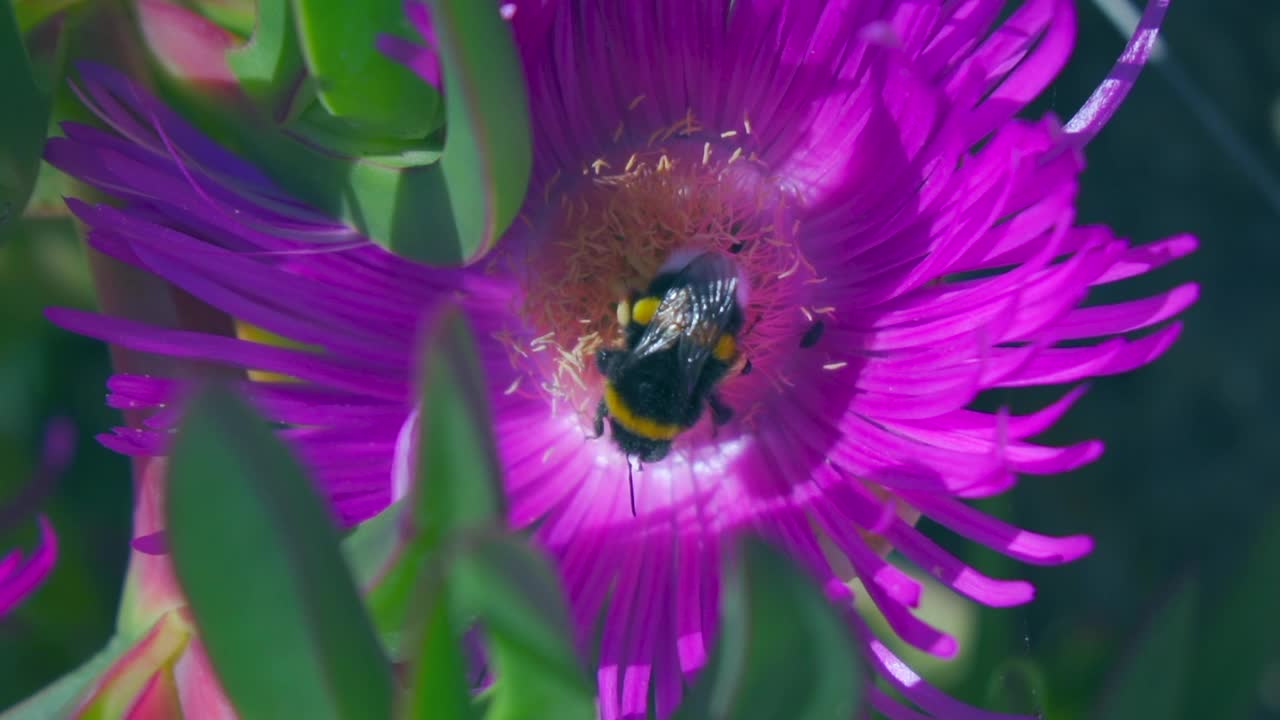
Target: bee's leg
(598,426)
(746,368)
(631,484)
(720,413)
(606,359)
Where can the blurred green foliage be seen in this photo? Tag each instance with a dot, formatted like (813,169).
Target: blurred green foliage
(1187,484)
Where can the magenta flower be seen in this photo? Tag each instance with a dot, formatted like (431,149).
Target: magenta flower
(907,243)
(21,574)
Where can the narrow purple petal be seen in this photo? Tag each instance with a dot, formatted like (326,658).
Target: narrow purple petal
(20,576)
(1106,99)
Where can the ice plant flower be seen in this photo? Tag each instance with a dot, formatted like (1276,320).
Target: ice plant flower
(906,239)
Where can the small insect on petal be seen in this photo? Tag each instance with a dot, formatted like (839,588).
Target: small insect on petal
(813,334)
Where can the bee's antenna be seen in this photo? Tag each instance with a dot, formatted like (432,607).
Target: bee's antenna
(631,484)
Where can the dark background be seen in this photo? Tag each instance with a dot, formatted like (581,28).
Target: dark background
(1190,478)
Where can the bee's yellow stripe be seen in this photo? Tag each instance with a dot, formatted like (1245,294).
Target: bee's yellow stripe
(644,427)
(726,349)
(642,312)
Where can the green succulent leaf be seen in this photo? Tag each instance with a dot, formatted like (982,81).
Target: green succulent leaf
(59,698)
(257,555)
(238,16)
(487,155)
(459,483)
(22,123)
(1240,636)
(353,80)
(1152,681)
(771,614)
(514,593)
(269,66)
(30,13)
(438,688)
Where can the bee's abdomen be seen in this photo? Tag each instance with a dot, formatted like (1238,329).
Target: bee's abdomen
(652,423)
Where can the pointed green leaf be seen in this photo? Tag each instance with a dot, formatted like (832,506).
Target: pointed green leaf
(784,650)
(513,591)
(459,483)
(59,698)
(31,13)
(238,16)
(257,555)
(372,546)
(22,123)
(487,154)
(438,688)
(1151,682)
(269,66)
(353,80)
(1240,634)
(386,563)
(392,191)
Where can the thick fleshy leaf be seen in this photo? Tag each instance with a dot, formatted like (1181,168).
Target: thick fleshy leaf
(458,483)
(1152,682)
(372,545)
(487,154)
(257,554)
(22,123)
(513,593)
(391,190)
(386,560)
(58,700)
(403,207)
(31,13)
(1239,638)
(238,16)
(353,80)
(772,613)
(438,688)
(269,66)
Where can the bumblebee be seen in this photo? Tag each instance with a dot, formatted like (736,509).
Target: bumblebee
(681,340)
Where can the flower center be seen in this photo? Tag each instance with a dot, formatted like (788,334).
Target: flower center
(607,230)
